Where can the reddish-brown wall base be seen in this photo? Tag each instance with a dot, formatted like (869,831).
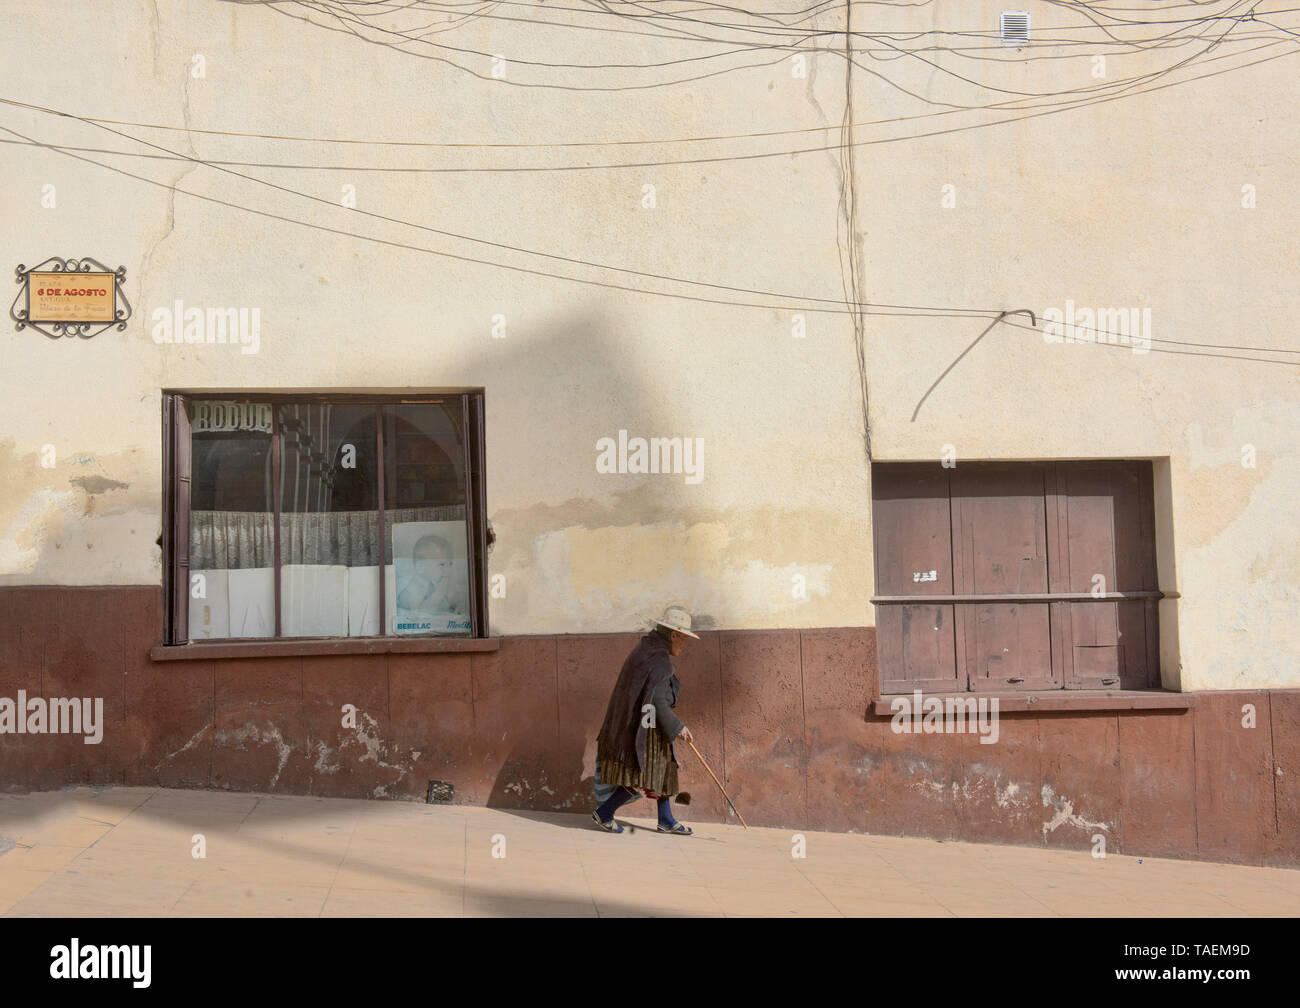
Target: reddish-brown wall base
(782,715)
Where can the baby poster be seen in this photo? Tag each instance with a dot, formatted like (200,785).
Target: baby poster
(432,577)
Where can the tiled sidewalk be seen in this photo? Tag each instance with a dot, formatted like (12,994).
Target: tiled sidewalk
(128,852)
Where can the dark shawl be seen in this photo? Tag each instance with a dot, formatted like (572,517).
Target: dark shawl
(623,736)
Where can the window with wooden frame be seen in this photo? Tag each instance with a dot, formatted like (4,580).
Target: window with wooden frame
(1015,576)
(323,516)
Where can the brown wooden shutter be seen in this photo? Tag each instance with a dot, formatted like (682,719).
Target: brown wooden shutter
(1110,533)
(912,525)
(1026,542)
(1000,547)
(177,466)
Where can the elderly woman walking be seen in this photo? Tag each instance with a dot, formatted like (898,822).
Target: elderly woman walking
(634,750)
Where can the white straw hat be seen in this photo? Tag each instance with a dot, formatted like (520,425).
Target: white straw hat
(677,618)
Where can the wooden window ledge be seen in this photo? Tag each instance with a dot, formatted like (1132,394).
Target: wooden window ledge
(1060,700)
(334,646)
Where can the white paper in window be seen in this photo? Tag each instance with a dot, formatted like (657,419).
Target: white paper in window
(314,600)
(363,601)
(252,602)
(209,605)
(390,598)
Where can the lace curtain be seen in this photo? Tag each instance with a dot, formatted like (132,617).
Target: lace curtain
(243,540)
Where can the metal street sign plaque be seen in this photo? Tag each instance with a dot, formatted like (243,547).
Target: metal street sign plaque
(70,297)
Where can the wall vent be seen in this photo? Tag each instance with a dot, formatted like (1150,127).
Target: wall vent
(1015,27)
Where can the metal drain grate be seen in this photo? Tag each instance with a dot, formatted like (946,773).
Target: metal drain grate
(440,793)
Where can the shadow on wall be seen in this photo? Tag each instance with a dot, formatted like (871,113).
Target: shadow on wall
(542,701)
(581,384)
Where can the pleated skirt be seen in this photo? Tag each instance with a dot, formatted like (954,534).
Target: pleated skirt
(659,778)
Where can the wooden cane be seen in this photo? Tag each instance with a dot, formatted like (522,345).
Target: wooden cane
(719,783)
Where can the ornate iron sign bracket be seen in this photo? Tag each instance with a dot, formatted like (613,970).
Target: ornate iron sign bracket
(116,311)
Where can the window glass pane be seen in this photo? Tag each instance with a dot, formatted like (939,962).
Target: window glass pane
(232,578)
(424,489)
(329,521)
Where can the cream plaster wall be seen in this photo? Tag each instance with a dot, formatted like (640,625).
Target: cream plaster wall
(1133,202)
(1136,202)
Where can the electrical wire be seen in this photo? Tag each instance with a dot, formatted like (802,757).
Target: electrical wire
(852,305)
(880,309)
(1006,104)
(1050,109)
